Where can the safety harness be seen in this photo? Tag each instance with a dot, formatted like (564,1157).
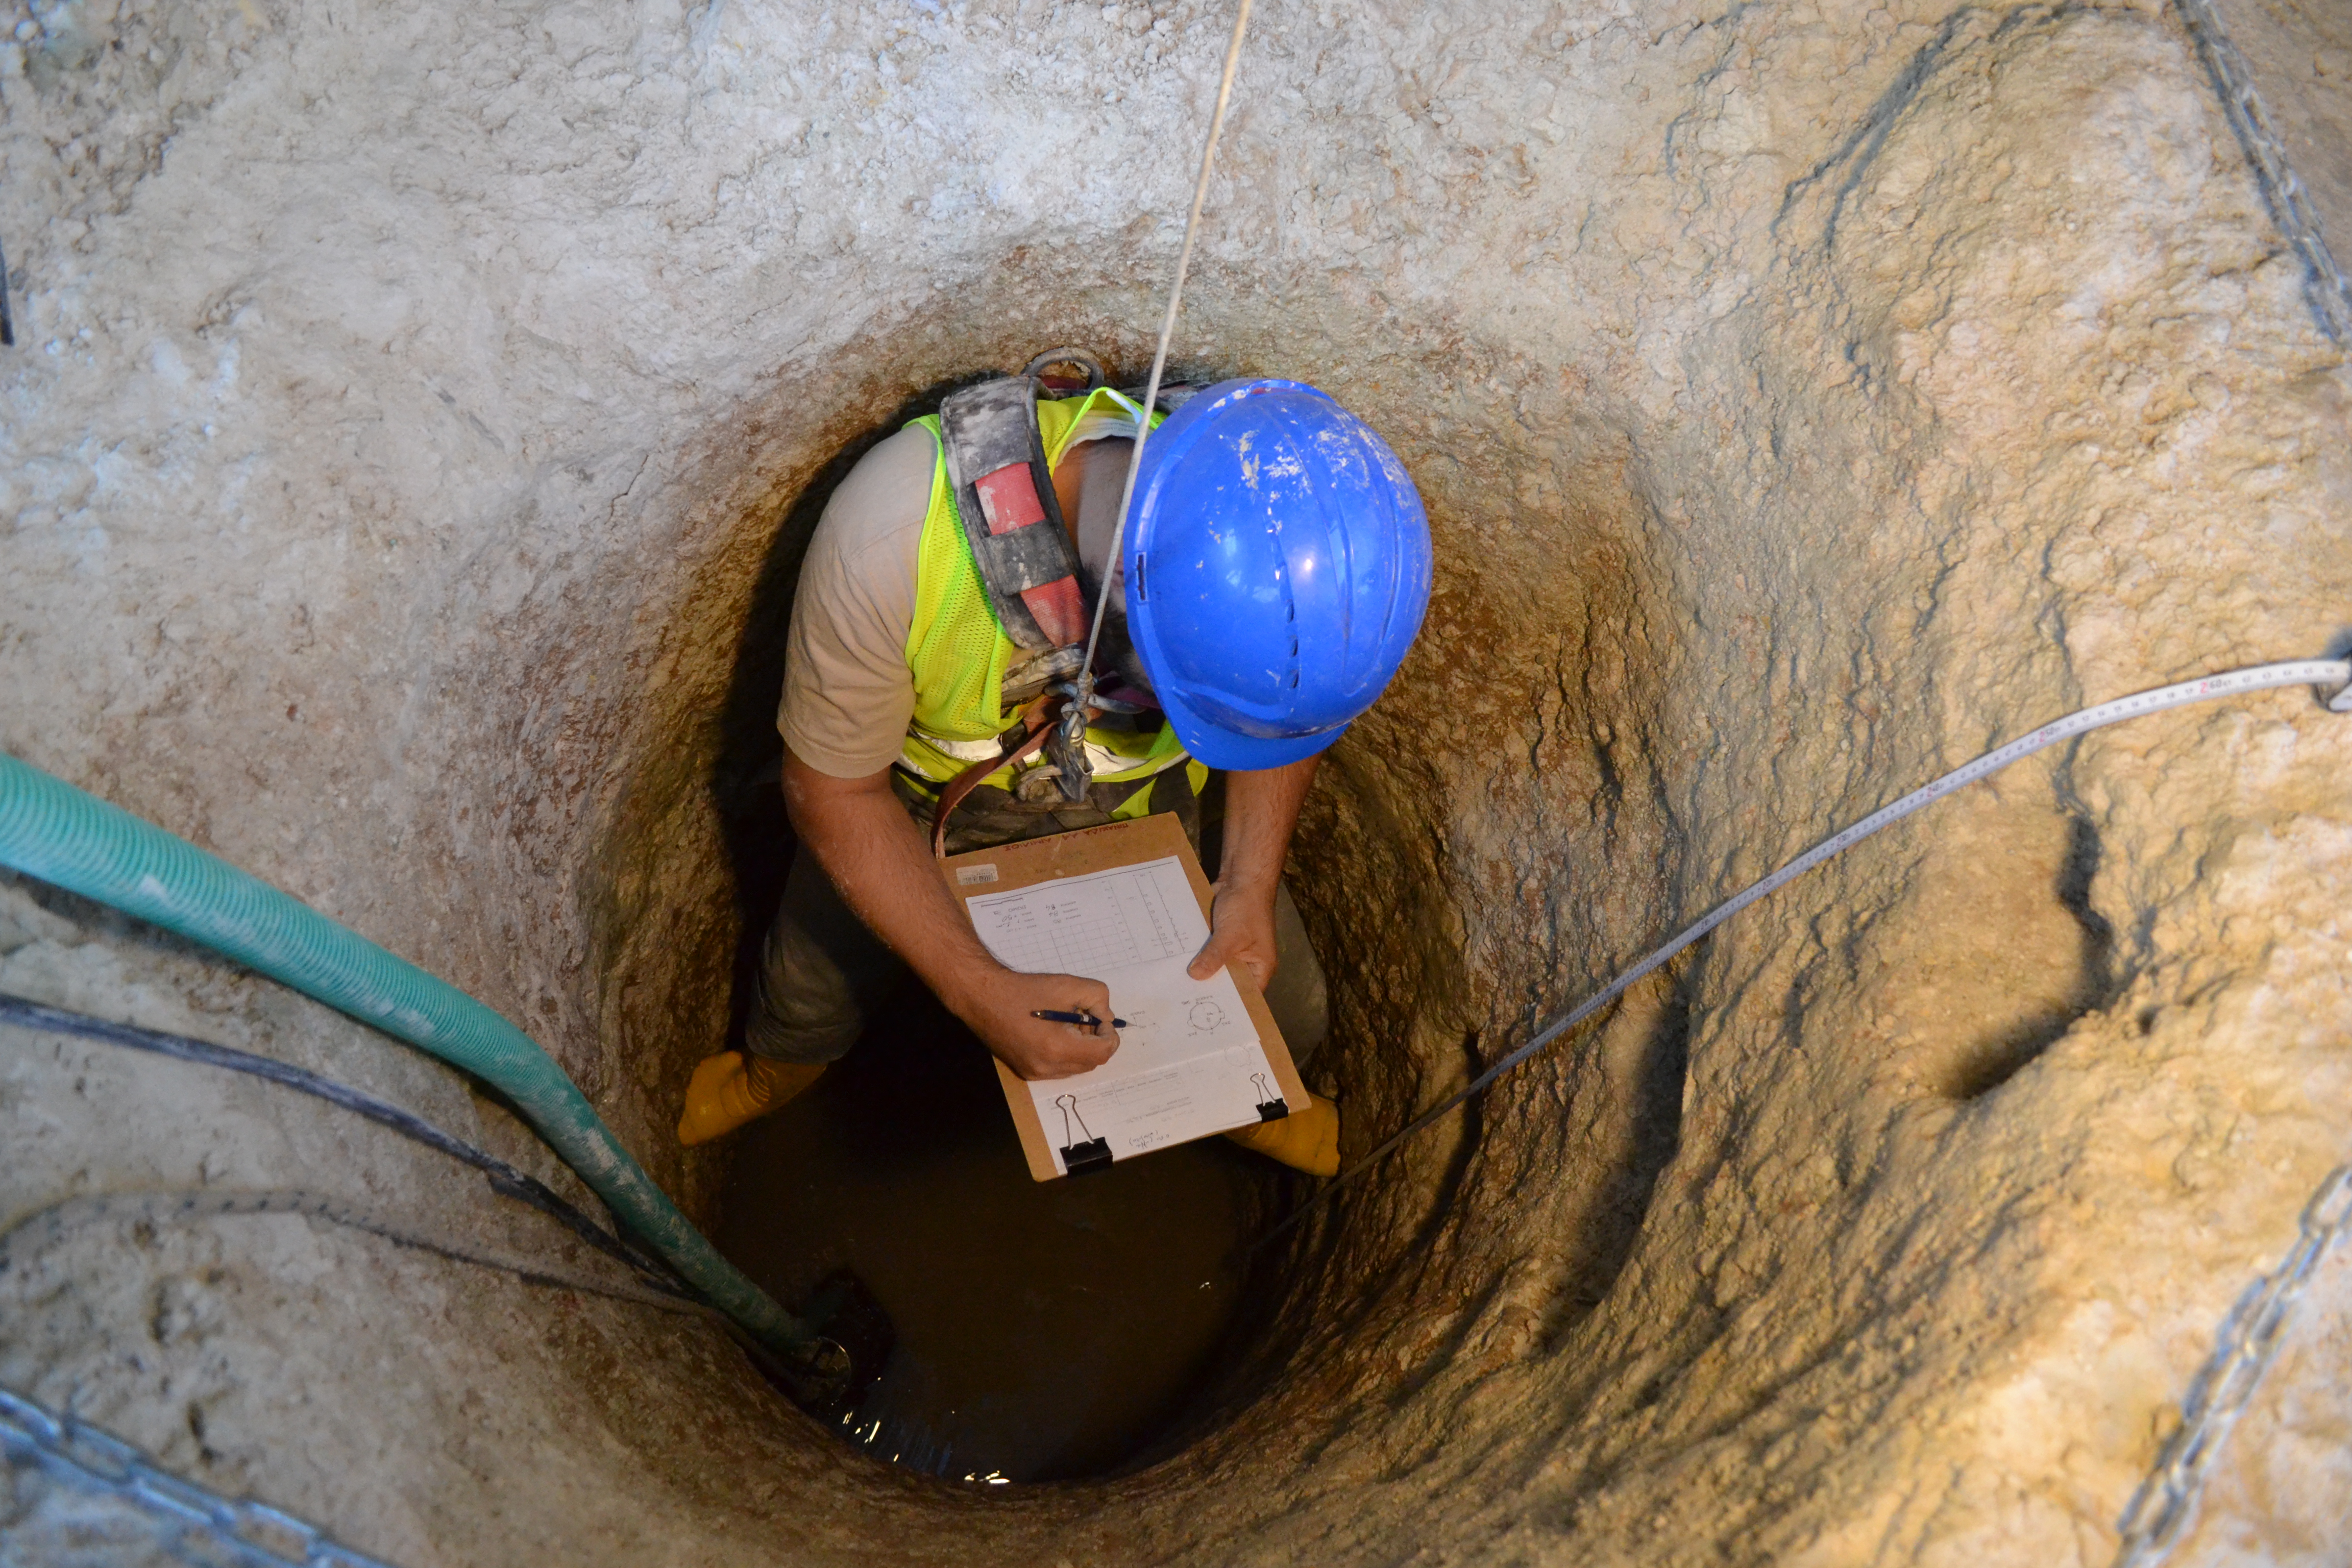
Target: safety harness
(1029,568)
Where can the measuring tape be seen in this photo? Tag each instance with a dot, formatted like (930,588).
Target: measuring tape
(2333,676)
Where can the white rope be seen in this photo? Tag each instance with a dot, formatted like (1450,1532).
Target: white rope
(1160,358)
(2334,673)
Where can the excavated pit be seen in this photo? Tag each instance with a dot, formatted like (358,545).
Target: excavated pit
(417,421)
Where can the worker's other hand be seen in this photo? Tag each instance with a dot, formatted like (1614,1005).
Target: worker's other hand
(1035,1047)
(1241,931)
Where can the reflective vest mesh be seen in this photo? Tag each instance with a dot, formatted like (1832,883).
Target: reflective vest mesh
(957,651)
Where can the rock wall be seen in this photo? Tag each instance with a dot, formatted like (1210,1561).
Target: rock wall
(417,415)
(2298,60)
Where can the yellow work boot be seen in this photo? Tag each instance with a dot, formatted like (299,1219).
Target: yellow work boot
(730,1088)
(1305,1139)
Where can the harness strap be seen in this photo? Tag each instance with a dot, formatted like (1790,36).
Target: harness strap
(1005,497)
(1038,720)
(1027,564)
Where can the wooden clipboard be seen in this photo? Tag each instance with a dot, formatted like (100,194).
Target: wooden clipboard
(1088,850)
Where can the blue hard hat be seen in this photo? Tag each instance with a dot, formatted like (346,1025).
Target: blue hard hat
(1276,564)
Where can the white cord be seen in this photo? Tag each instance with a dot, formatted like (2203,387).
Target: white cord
(1167,331)
(2337,673)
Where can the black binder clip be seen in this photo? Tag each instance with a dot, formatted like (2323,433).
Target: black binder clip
(1271,1107)
(1081,1151)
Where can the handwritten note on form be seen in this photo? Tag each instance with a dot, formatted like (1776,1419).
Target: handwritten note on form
(1188,1054)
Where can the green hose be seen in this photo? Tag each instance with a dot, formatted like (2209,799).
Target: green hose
(53,831)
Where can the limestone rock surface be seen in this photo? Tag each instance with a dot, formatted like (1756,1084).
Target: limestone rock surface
(417,415)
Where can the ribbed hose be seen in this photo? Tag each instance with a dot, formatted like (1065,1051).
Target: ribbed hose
(53,831)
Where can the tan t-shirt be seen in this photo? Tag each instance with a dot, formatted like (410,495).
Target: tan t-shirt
(848,694)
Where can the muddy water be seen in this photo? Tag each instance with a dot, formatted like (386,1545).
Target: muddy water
(1044,1330)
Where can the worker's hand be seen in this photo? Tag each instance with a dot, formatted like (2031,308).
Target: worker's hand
(1241,931)
(999,1012)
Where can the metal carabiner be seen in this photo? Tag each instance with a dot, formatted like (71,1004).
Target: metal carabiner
(1079,357)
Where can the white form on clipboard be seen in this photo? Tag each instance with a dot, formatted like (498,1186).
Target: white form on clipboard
(1190,1062)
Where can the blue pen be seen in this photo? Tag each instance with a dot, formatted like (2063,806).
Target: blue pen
(1086,1020)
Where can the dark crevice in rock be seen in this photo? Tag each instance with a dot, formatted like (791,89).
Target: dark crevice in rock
(1655,1120)
(1996,1060)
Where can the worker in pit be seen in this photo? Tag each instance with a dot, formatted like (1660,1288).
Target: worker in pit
(1272,576)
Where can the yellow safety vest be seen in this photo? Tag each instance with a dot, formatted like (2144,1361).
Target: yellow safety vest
(958,652)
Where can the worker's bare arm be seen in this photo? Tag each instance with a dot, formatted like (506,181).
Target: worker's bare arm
(883,866)
(1261,809)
